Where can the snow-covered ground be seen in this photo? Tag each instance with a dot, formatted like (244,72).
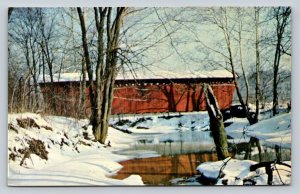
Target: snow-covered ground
(63,157)
(54,150)
(64,153)
(162,123)
(274,131)
(237,172)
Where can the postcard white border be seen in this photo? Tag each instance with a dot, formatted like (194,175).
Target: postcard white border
(4,4)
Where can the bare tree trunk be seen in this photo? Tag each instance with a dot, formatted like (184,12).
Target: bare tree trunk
(101,93)
(216,124)
(107,116)
(275,79)
(100,68)
(238,92)
(230,58)
(88,67)
(282,15)
(35,84)
(257,85)
(43,65)
(241,60)
(107,80)
(82,104)
(226,30)
(104,115)
(113,34)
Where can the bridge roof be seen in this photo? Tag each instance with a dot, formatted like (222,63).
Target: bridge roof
(146,76)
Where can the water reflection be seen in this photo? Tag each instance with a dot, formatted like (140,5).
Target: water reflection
(176,143)
(181,153)
(163,157)
(160,170)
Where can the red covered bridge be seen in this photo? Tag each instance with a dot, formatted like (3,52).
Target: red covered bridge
(144,93)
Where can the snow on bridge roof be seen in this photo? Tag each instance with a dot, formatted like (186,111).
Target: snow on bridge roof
(149,75)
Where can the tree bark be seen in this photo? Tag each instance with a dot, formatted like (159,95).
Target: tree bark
(89,70)
(216,124)
(101,93)
(99,126)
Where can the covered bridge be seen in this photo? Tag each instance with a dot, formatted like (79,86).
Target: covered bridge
(151,92)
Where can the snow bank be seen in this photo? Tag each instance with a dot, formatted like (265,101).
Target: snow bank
(54,151)
(237,172)
(157,123)
(272,131)
(237,128)
(73,158)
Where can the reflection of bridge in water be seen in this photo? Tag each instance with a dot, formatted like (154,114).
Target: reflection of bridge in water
(160,170)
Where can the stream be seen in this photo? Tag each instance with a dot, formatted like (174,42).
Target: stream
(163,158)
(172,159)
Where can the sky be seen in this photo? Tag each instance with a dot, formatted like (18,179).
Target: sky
(183,39)
(190,41)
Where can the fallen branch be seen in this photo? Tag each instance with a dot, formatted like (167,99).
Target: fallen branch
(268,168)
(221,174)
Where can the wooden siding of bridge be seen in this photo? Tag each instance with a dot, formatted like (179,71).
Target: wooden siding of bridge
(139,98)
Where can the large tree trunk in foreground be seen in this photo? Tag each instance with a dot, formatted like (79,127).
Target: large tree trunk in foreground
(216,124)
(89,70)
(101,90)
